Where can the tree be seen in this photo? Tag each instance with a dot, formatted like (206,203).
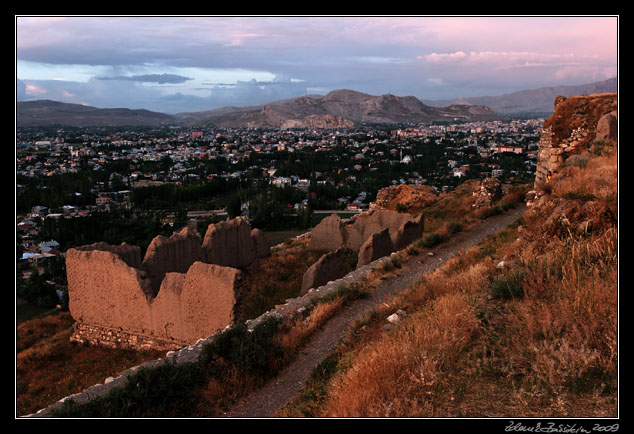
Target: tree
(234,207)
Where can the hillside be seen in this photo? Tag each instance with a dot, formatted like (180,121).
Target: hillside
(342,109)
(50,113)
(524,325)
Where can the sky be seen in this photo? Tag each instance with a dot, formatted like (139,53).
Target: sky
(175,64)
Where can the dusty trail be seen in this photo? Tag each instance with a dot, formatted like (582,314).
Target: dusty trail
(282,389)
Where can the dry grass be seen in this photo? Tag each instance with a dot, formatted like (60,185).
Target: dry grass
(49,367)
(535,338)
(597,179)
(402,374)
(273,280)
(302,328)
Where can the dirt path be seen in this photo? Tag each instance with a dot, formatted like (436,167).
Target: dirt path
(282,389)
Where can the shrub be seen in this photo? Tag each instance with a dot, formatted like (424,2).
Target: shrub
(37,290)
(343,291)
(159,391)
(432,239)
(584,197)
(252,351)
(509,285)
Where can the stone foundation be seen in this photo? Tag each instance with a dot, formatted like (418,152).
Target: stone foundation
(118,338)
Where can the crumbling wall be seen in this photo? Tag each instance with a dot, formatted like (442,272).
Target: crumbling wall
(377,232)
(330,266)
(408,232)
(180,292)
(195,304)
(173,254)
(329,235)
(374,221)
(260,245)
(490,191)
(106,293)
(129,254)
(573,125)
(229,243)
(104,290)
(378,245)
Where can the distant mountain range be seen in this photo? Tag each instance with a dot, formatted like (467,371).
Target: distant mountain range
(536,101)
(338,109)
(50,113)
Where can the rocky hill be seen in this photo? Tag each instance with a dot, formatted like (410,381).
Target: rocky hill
(48,113)
(341,109)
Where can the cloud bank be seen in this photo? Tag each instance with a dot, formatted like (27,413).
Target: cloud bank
(175,64)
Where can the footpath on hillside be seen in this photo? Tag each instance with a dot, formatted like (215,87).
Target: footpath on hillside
(278,392)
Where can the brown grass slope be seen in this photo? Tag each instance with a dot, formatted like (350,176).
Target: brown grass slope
(535,336)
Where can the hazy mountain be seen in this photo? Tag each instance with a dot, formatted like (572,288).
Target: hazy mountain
(46,112)
(540,101)
(338,109)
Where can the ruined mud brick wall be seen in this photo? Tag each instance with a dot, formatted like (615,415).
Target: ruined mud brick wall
(331,233)
(171,298)
(330,266)
(173,254)
(106,293)
(287,313)
(378,245)
(230,243)
(366,224)
(575,122)
(360,234)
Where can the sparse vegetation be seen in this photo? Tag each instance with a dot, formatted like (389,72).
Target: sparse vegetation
(274,280)
(234,363)
(50,367)
(534,337)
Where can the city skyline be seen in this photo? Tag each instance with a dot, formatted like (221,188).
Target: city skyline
(176,64)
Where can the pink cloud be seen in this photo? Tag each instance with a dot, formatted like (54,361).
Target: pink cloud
(34,90)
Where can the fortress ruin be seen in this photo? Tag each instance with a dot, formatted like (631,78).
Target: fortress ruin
(181,291)
(575,123)
(370,235)
(185,289)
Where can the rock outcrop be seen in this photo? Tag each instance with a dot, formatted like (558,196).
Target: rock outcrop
(608,128)
(490,191)
(405,197)
(574,124)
